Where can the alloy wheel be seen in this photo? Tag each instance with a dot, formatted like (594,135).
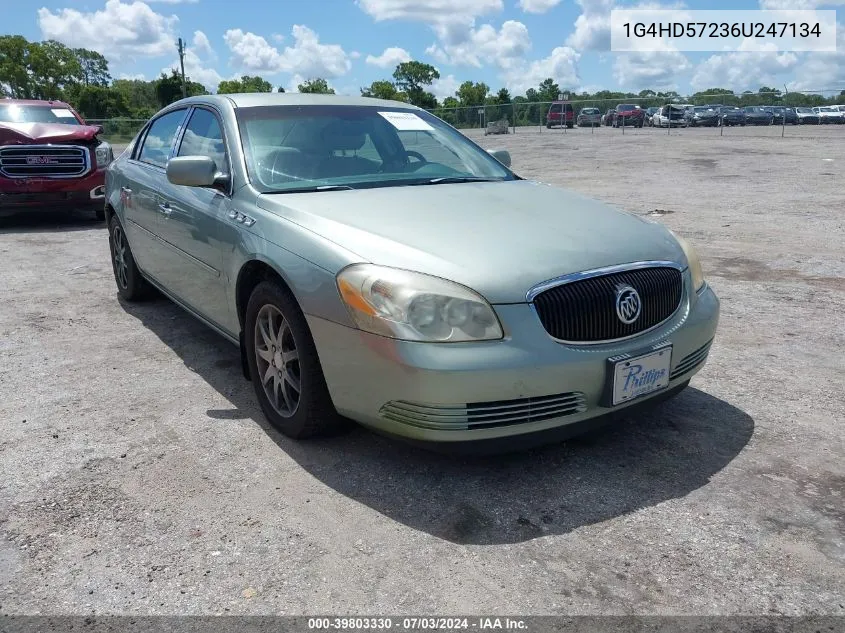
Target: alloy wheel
(277,358)
(119,254)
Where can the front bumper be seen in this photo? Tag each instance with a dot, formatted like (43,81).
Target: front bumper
(44,194)
(421,391)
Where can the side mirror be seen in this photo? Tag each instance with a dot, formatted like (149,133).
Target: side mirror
(501,155)
(99,129)
(195,171)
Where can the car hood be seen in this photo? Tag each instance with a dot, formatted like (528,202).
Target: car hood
(499,238)
(27,133)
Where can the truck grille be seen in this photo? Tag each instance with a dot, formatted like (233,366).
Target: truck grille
(44,161)
(584,311)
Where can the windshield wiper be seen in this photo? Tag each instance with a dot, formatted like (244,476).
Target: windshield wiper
(315,188)
(451,179)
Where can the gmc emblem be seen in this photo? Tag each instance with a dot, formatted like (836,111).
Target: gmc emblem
(41,160)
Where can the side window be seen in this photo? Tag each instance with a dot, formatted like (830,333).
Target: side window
(159,139)
(203,137)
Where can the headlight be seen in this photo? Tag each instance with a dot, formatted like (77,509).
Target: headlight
(692,260)
(415,307)
(104,153)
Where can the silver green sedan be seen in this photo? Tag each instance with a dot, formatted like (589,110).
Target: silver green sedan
(373,263)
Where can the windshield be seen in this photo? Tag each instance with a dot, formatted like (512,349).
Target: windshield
(625,107)
(15,113)
(291,148)
(828,109)
(590,111)
(805,111)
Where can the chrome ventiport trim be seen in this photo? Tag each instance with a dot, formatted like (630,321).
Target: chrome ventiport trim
(598,272)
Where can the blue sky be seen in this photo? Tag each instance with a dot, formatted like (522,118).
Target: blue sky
(512,43)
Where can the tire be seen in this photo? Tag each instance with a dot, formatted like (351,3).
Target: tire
(310,412)
(131,284)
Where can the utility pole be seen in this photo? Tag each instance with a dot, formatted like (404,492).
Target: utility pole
(181,47)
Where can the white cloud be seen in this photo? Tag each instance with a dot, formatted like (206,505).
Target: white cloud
(561,65)
(824,70)
(653,69)
(592,27)
(307,57)
(197,69)
(202,46)
(173,1)
(390,58)
(445,87)
(131,77)
(537,6)
(433,12)
(120,30)
(799,4)
(744,70)
(504,47)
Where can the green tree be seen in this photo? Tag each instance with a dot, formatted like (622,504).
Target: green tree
(503,96)
(280,89)
(383,90)
(548,90)
(244,84)
(14,65)
(169,88)
(316,86)
(139,96)
(52,67)
(472,94)
(94,68)
(412,77)
(98,102)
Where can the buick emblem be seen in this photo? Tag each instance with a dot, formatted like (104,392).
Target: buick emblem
(628,304)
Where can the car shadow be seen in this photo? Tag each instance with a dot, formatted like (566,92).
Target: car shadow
(665,454)
(49,222)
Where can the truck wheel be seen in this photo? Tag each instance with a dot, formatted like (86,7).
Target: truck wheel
(284,365)
(131,285)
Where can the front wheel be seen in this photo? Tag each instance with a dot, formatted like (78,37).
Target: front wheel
(131,285)
(284,366)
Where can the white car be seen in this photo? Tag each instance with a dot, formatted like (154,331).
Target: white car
(830,114)
(661,118)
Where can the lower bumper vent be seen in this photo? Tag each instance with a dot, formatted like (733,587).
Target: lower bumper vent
(484,415)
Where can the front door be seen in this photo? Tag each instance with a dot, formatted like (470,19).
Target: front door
(195,228)
(141,193)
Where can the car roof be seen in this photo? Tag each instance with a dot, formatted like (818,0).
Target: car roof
(33,102)
(258,99)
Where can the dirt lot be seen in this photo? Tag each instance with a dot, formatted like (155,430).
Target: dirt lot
(139,476)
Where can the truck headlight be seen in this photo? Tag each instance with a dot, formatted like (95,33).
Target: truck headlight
(412,306)
(693,261)
(104,154)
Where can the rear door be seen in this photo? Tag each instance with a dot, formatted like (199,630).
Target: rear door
(144,175)
(195,226)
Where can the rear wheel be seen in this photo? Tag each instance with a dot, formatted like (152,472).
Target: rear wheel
(284,365)
(131,285)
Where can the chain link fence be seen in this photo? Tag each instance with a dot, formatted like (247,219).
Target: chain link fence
(533,116)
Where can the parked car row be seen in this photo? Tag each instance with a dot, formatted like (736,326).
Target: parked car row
(686,115)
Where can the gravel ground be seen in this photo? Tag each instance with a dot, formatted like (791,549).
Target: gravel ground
(140,478)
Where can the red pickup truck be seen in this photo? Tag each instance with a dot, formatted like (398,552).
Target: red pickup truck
(50,159)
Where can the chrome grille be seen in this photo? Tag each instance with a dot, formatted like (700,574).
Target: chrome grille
(484,415)
(584,310)
(691,361)
(44,161)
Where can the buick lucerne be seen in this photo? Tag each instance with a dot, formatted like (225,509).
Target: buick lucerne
(373,263)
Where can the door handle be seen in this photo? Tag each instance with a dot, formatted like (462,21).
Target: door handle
(164,207)
(126,190)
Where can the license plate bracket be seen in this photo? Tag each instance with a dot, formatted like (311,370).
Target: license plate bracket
(634,375)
